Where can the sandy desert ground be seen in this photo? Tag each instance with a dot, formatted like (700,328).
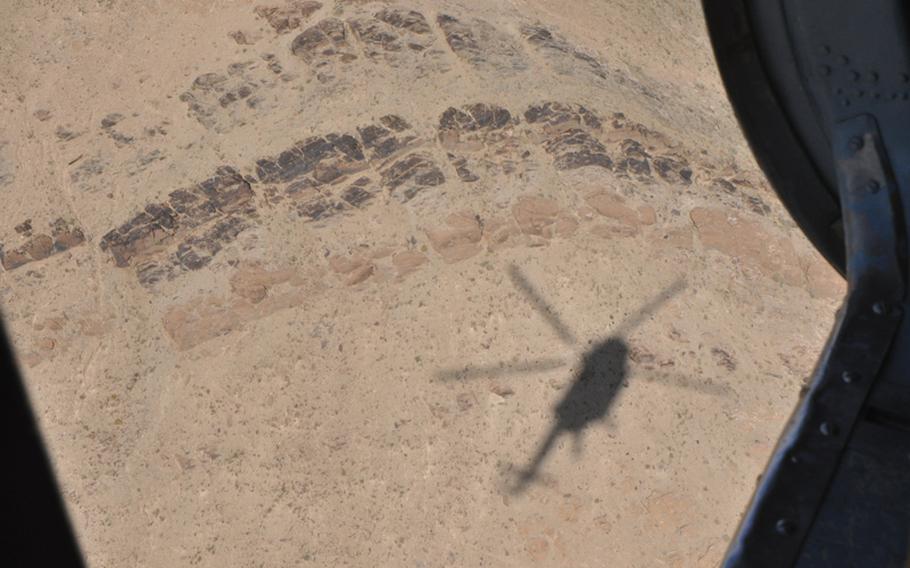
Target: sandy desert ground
(312,282)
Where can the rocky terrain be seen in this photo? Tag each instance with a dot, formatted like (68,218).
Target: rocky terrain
(304,282)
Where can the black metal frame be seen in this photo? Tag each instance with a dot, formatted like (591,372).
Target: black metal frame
(821,90)
(777,138)
(37,531)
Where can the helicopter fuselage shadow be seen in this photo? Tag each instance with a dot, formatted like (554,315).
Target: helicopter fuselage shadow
(604,372)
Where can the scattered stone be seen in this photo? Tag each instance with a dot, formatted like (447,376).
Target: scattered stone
(199,220)
(723,359)
(272,63)
(412,174)
(499,233)
(92,326)
(111,120)
(615,207)
(210,81)
(681,237)
(560,53)
(641,355)
(395,122)
(242,38)
(253,282)
(535,214)
(64,236)
(324,43)
(543,217)
(408,261)
(357,195)
(474,117)
(288,17)
(464,401)
(823,281)
(13,259)
(575,148)
(469,128)
(221,101)
(479,136)
(502,391)
(556,116)
(621,123)
(120,139)
(393,34)
(354,269)
(24,228)
(481,44)
(673,169)
(64,134)
(197,251)
(39,247)
(636,160)
(209,317)
(614,231)
(647,215)
(724,185)
(462,171)
(459,239)
(383,141)
(51,323)
(319,159)
(756,204)
(88,168)
(233,95)
(736,236)
(405,20)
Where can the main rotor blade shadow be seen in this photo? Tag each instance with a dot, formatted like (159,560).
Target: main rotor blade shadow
(625,327)
(500,369)
(682,382)
(541,305)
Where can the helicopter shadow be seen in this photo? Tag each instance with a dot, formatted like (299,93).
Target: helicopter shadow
(594,389)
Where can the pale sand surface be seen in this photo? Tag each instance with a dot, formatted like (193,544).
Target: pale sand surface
(304,284)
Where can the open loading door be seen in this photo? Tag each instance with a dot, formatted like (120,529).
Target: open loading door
(822,91)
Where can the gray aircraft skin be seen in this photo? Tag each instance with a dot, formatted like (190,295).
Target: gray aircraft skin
(821,90)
